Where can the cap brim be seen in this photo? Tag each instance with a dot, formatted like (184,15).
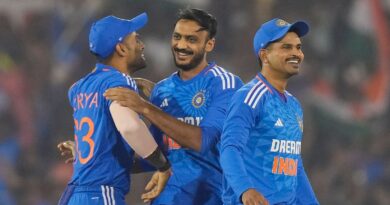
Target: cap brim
(139,21)
(300,27)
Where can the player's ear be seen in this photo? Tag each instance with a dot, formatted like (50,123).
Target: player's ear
(120,49)
(210,45)
(263,56)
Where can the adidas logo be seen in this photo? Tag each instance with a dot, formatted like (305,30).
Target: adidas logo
(164,103)
(279,123)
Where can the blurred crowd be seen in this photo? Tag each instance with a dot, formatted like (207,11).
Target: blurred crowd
(343,86)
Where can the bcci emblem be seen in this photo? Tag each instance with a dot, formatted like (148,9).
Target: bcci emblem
(198,99)
(281,22)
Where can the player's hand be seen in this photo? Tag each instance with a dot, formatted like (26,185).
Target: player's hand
(156,185)
(126,98)
(252,197)
(145,86)
(67,149)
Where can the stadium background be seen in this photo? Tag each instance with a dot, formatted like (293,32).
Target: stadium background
(343,86)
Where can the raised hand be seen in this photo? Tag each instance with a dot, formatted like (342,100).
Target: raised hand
(126,98)
(144,85)
(67,149)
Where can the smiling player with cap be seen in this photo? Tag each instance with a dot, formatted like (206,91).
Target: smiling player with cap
(107,134)
(262,134)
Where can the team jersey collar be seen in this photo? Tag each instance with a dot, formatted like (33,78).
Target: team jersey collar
(282,96)
(261,78)
(100,67)
(177,78)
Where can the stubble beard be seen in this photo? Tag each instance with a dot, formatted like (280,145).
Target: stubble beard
(194,62)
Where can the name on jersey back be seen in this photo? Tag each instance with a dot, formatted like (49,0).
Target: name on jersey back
(86,101)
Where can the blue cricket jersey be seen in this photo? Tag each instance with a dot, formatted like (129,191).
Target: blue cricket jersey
(103,157)
(261,146)
(200,101)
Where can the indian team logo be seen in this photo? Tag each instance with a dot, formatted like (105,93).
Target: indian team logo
(198,99)
(281,22)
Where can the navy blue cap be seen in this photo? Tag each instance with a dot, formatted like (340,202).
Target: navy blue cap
(110,30)
(276,29)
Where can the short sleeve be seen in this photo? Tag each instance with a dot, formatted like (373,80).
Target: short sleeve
(119,80)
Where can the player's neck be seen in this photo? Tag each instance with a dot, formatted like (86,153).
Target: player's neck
(120,66)
(189,74)
(278,82)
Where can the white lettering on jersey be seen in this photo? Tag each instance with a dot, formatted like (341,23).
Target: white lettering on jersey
(286,146)
(275,145)
(191,120)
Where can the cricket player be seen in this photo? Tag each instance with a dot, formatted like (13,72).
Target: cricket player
(262,134)
(187,111)
(106,133)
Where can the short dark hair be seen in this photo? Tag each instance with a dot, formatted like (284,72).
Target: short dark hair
(205,20)
(258,57)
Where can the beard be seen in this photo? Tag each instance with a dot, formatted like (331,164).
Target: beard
(139,64)
(195,61)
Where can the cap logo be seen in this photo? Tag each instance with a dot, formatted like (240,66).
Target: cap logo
(281,23)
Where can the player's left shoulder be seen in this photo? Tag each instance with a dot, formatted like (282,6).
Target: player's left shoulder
(224,79)
(118,79)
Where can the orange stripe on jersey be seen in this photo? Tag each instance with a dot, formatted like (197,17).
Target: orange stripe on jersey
(258,78)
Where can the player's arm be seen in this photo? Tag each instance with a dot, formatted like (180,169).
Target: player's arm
(199,138)
(141,165)
(212,123)
(145,85)
(184,134)
(137,135)
(305,193)
(240,119)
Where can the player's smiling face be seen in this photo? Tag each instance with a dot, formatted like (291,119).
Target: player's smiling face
(135,52)
(190,44)
(285,56)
